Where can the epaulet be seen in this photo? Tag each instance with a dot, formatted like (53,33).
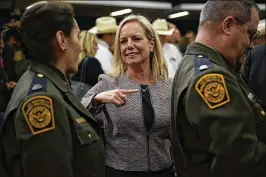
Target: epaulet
(38,83)
(201,63)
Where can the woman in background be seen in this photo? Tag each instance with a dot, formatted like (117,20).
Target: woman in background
(92,66)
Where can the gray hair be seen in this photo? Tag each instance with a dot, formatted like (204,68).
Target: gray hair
(217,10)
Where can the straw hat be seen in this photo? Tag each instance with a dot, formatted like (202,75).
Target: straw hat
(104,25)
(161,27)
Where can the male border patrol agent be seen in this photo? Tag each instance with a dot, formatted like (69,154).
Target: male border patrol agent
(47,132)
(215,116)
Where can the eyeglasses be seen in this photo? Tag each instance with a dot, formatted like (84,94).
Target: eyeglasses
(252,32)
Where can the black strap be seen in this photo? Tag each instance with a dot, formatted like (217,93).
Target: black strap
(83,70)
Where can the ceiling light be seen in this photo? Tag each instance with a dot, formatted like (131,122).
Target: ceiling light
(200,6)
(126,4)
(121,12)
(179,14)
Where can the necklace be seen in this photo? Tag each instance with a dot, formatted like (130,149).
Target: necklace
(144,89)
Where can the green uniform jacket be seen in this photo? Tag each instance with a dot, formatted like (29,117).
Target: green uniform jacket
(218,128)
(47,132)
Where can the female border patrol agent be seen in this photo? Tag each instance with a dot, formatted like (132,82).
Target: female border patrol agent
(47,132)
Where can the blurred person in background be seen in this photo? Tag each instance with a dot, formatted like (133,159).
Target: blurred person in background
(1,51)
(186,40)
(105,29)
(93,67)
(6,87)
(135,100)
(218,125)
(191,35)
(47,132)
(170,52)
(15,63)
(175,38)
(254,72)
(262,37)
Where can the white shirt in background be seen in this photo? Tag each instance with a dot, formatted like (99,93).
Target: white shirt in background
(104,55)
(173,57)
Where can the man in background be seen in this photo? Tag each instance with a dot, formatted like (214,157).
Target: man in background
(170,52)
(175,38)
(254,72)
(15,63)
(105,29)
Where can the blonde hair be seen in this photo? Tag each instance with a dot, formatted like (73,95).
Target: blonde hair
(86,40)
(159,67)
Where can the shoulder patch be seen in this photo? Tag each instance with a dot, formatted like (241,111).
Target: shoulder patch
(201,63)
(213,90)
(18,55)
(38,83)
(39,114)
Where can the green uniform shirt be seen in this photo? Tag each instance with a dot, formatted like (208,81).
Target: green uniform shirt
(218,128)
(47,132)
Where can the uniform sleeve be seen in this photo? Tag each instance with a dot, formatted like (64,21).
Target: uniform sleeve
(42,125)
(225,123)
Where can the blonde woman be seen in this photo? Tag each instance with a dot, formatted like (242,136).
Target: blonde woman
(135,100)
(92,66)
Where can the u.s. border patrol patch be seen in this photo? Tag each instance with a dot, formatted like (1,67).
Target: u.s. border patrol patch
(18,55)
(39,115)
(212,89)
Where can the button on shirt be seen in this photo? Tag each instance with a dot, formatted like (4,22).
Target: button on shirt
(173,57)
(104,55)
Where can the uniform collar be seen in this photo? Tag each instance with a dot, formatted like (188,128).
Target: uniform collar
(62,83)
(196,48)
(53,74)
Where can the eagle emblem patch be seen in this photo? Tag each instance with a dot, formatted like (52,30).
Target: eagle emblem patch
(39,115)
(213,90)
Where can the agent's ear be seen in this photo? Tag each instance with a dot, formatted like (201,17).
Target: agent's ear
(61,40)
(228,24)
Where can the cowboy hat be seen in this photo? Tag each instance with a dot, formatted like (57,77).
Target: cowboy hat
(104,25)
(161,27)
